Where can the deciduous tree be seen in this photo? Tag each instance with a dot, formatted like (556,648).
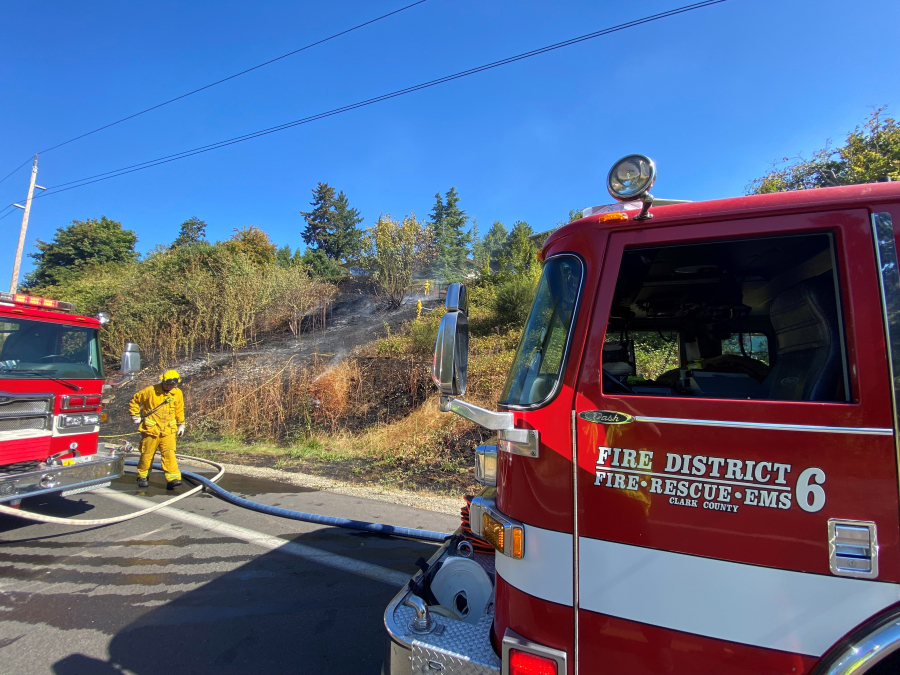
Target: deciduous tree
(871,153)
(254,243)
(79,245)
(394,250)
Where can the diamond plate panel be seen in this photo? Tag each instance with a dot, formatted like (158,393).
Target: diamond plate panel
(431,661)
(455,646)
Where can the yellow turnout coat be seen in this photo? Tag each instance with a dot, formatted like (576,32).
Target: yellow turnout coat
(169,414)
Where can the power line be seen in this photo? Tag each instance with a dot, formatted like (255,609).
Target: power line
(71,185)
(224,79)
(16,169)
(7,214)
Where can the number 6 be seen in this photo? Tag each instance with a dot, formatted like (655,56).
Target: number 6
(804,490)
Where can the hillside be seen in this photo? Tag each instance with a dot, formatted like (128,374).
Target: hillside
(349,397)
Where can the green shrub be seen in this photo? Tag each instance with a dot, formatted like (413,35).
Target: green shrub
(513,301)
(423,333)
(198,297)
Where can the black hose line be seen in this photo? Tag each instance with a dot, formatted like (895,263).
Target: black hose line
(361,525)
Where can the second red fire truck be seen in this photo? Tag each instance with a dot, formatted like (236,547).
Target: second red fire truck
(696,466)
(51,392)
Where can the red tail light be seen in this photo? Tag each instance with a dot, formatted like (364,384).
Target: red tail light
(79,402)
(523,663)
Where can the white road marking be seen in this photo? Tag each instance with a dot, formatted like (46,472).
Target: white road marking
(268,541)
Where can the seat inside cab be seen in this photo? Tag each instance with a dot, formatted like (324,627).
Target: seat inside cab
(739,319)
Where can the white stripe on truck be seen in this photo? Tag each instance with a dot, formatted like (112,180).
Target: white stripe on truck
(761,606)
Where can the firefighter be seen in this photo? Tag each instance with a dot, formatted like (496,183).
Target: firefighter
(159,410)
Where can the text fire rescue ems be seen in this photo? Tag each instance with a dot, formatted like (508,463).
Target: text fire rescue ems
(741,482)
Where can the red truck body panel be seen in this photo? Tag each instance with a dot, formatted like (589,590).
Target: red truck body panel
(659,562)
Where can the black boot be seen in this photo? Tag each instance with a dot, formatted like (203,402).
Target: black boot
(172,484)
(144,482)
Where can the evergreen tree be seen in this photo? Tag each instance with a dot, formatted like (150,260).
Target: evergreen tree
(349,238)
(331,225)
(494,243)
(193,231)
(283,257)
(520,253)
(79,245)
(452,240)
(320,266)
(320,219)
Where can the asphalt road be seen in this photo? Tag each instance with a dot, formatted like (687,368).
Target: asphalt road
(203,587)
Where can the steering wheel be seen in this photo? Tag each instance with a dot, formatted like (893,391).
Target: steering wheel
(617,387)
(60,358)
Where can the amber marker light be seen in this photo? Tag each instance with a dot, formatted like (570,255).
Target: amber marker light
(505,535)
(518,542)
(492,531)
(612,217)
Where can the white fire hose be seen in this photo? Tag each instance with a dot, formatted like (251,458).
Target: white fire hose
(78,522)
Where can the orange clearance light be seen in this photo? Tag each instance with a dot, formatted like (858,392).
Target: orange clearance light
(518,542)
(492,531)
(612,217)
(523,663)
(34,301)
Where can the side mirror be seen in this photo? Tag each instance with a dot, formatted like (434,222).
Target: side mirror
(457,298)
(131,359)
(451,350)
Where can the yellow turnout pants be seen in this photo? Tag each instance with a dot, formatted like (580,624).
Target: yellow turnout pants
(166,445)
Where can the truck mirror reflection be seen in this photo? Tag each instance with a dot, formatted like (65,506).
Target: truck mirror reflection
(457,299)
(131,359)
(451,354)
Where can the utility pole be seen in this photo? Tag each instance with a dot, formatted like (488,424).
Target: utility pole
(14,284)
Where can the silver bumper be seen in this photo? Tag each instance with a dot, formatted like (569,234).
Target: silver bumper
(454,646)
(92,472)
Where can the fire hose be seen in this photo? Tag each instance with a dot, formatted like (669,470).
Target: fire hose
(40,518)
(209,485)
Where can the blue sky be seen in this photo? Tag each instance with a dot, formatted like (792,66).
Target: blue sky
(714,96)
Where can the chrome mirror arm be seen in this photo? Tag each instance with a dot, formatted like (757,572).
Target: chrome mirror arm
(525,442)
(495,421)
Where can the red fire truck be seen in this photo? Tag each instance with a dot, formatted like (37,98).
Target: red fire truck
(696,466)
(51,386)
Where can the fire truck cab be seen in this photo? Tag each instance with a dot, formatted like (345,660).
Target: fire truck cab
(696,466)
(51,395)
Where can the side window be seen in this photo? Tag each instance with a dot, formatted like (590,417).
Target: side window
(741,319)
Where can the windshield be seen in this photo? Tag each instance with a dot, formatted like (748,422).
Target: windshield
(40,349)
(542,351)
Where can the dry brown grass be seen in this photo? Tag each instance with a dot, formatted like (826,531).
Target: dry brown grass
(271,403)
(333,391)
